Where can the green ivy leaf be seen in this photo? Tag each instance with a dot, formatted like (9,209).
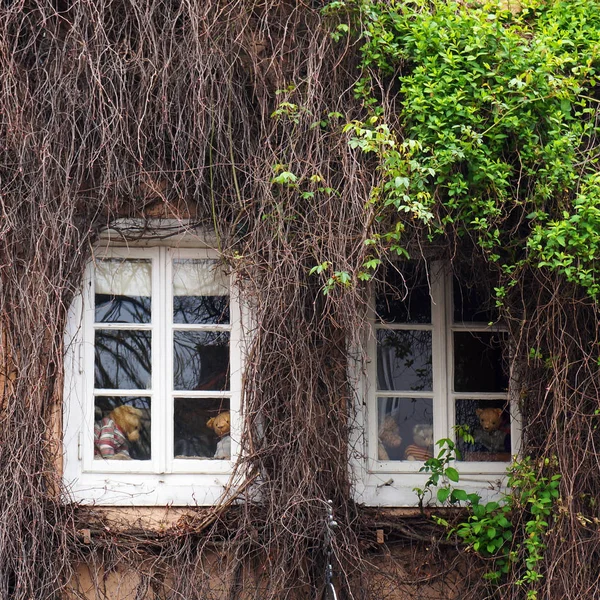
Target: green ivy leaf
(452,474)
(442,494)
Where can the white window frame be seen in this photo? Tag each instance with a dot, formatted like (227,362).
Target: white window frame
(392,483)
(160,480)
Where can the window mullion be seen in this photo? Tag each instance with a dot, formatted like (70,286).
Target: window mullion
(87,435)
(449,349)
(370,417)
(440,365)
(169,410)
(235,367)
(159,378)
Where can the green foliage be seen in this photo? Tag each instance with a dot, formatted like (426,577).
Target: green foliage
(498,137)
(571,245)
(489,528)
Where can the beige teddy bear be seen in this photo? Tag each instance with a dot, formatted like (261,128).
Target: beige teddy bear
(389,437)
(221,425)
(490,435)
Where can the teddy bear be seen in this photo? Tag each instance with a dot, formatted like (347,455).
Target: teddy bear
(490,434)
(113,434)
(389,437)
(422,447)
(221,425)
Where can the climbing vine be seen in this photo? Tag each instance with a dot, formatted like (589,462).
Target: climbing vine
(314,144)
(508,533)
(483,122)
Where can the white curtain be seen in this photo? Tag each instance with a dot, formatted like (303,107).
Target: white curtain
(199,278)
(118,277)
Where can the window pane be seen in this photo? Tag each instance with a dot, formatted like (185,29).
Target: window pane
(200,292)
(405,297)
(489,423)
(478,364)
(201,360)
(201,428)
(122,428)
(201,309)
(471,305)
(123,359)
(405,427)
(122,291)
(404,360)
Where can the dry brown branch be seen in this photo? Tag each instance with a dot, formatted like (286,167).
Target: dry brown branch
(162,108)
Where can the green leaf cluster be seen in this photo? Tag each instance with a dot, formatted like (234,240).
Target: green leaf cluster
(498,125)
(495,530)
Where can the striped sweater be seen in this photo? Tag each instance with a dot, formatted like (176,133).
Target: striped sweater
(109,440)
(414,452)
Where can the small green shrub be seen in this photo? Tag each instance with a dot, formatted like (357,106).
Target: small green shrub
(493,131)
(489,528)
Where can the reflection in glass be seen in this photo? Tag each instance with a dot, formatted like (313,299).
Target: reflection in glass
(405,428)
(123,359)
(404,360)
(200,292)
(478,364)
(201,310)
(201,360)
(123,291)
(471,305)
(489,423)
(122,309)
(405,297)
(194,433)
(122,434)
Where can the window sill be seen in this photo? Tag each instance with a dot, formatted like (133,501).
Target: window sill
(140,489)
(398,489)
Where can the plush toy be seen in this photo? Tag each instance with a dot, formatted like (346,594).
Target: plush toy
(221,425)
(490,434)
(113,433)
(389,437)
(422,447)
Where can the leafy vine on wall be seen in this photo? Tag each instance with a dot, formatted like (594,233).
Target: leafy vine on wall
(316,144)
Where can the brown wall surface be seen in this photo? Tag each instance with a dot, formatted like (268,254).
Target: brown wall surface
(399,569)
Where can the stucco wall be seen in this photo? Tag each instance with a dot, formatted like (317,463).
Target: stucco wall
(400,569)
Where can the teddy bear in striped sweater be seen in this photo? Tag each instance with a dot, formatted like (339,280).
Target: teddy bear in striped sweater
(422,447)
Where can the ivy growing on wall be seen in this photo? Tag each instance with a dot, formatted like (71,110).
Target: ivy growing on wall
(311,141)
(484,124)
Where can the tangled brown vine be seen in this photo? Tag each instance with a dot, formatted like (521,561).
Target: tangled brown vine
(162,109)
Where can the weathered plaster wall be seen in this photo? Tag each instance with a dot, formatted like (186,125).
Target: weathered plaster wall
(400,570)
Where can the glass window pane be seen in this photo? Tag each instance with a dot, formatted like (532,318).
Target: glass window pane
(122,428)
(123,291)
(405,428)
(201,360)
(203,310)
(404,360)
(123,359)
(405,295)
(489,423)
(201,428)
(478,364)
(472,305)
(200,292)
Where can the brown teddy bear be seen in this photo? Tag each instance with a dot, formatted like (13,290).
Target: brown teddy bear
(113,433)
(490,434)
(389,437)
(422,447)
(221,425)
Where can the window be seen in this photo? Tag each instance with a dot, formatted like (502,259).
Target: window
(154,354)
(436,362)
